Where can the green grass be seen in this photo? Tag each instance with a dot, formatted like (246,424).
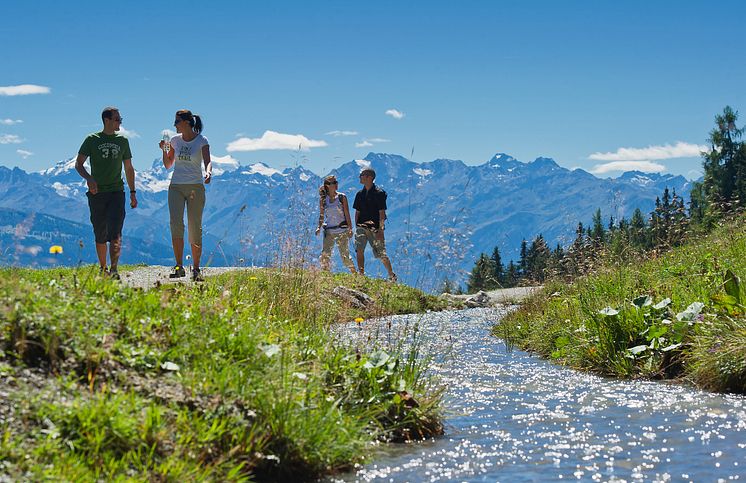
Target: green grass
(234,380)
(618,322)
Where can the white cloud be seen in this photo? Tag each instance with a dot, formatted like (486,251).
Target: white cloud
(221,164)
(275,140)
(128,134)
(365,143)
(341,133)
(645,166)
(395,113)
(10,122)
(10,139)
(24,90)
(24,154)
(679,150)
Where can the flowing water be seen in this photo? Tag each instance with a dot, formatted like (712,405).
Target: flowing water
(511,416)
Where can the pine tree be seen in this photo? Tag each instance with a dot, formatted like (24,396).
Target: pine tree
(499,273)
(725,165)
(481,274)
(523,262)
(537,259)
(697,204)
(598,235)
(638,230)
(511,278)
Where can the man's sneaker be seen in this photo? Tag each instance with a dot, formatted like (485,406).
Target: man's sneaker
(393,278)
(103,271)
(178,272)
(114,274)
(197,275)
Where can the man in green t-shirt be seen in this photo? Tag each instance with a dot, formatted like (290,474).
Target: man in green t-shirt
(108,152)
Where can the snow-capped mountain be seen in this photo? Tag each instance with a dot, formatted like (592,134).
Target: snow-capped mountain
(442,213)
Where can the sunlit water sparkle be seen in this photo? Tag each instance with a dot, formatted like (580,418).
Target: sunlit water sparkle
(514,417)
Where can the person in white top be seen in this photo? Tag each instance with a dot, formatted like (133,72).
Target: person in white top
(187,152)
(334,218)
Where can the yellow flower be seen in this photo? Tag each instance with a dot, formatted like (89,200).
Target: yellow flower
(252,278)
(359,320)
(55,249)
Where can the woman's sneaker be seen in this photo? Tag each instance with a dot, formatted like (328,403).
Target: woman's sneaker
(197,275)
(178,272)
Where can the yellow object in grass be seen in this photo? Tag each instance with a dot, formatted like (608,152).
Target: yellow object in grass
(359,320)
(55,249)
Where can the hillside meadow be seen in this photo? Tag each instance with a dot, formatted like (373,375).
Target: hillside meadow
(679,315)
(236,379)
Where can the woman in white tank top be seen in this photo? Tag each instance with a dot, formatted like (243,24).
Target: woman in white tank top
(187,152)
(334,218)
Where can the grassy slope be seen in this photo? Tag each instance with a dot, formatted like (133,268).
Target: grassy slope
(90,388)
(565,322)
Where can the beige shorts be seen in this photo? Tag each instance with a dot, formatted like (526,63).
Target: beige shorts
(193,197)
(363,236)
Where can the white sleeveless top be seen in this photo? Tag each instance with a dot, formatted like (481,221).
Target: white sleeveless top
(334,214)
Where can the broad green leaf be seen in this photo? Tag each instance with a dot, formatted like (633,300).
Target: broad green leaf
(642,301)
(561,341)
(608,311)
(671,347)
(376,359)
(691,312)
(662,304)
(724,299)
(732,285)
(270,349)
(657,331)
(638,349)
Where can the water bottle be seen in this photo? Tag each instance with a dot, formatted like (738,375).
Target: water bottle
(166,141)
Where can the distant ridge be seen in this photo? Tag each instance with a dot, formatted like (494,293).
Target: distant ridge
(442,213)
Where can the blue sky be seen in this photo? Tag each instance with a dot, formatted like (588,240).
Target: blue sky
(636,83)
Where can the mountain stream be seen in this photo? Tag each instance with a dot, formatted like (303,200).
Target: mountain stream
(511,416)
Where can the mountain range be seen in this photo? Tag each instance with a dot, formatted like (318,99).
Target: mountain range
(441,214)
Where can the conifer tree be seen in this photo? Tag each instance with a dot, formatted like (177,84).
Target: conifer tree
(499,273)
(511,277)
(598,235)
(523,262)
(481,274)
(537,259)
(725,165)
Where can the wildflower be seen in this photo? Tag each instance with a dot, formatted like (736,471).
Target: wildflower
(252,278)
(55,249)
(359,320)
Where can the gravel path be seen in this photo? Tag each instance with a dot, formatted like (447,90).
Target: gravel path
(148,277)
(505,295)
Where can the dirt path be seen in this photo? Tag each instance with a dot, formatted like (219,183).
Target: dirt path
(148,277)
(505,295)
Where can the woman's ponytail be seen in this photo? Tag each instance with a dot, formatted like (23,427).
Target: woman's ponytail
(197,124)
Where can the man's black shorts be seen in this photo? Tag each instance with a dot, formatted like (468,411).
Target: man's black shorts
(107,215)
